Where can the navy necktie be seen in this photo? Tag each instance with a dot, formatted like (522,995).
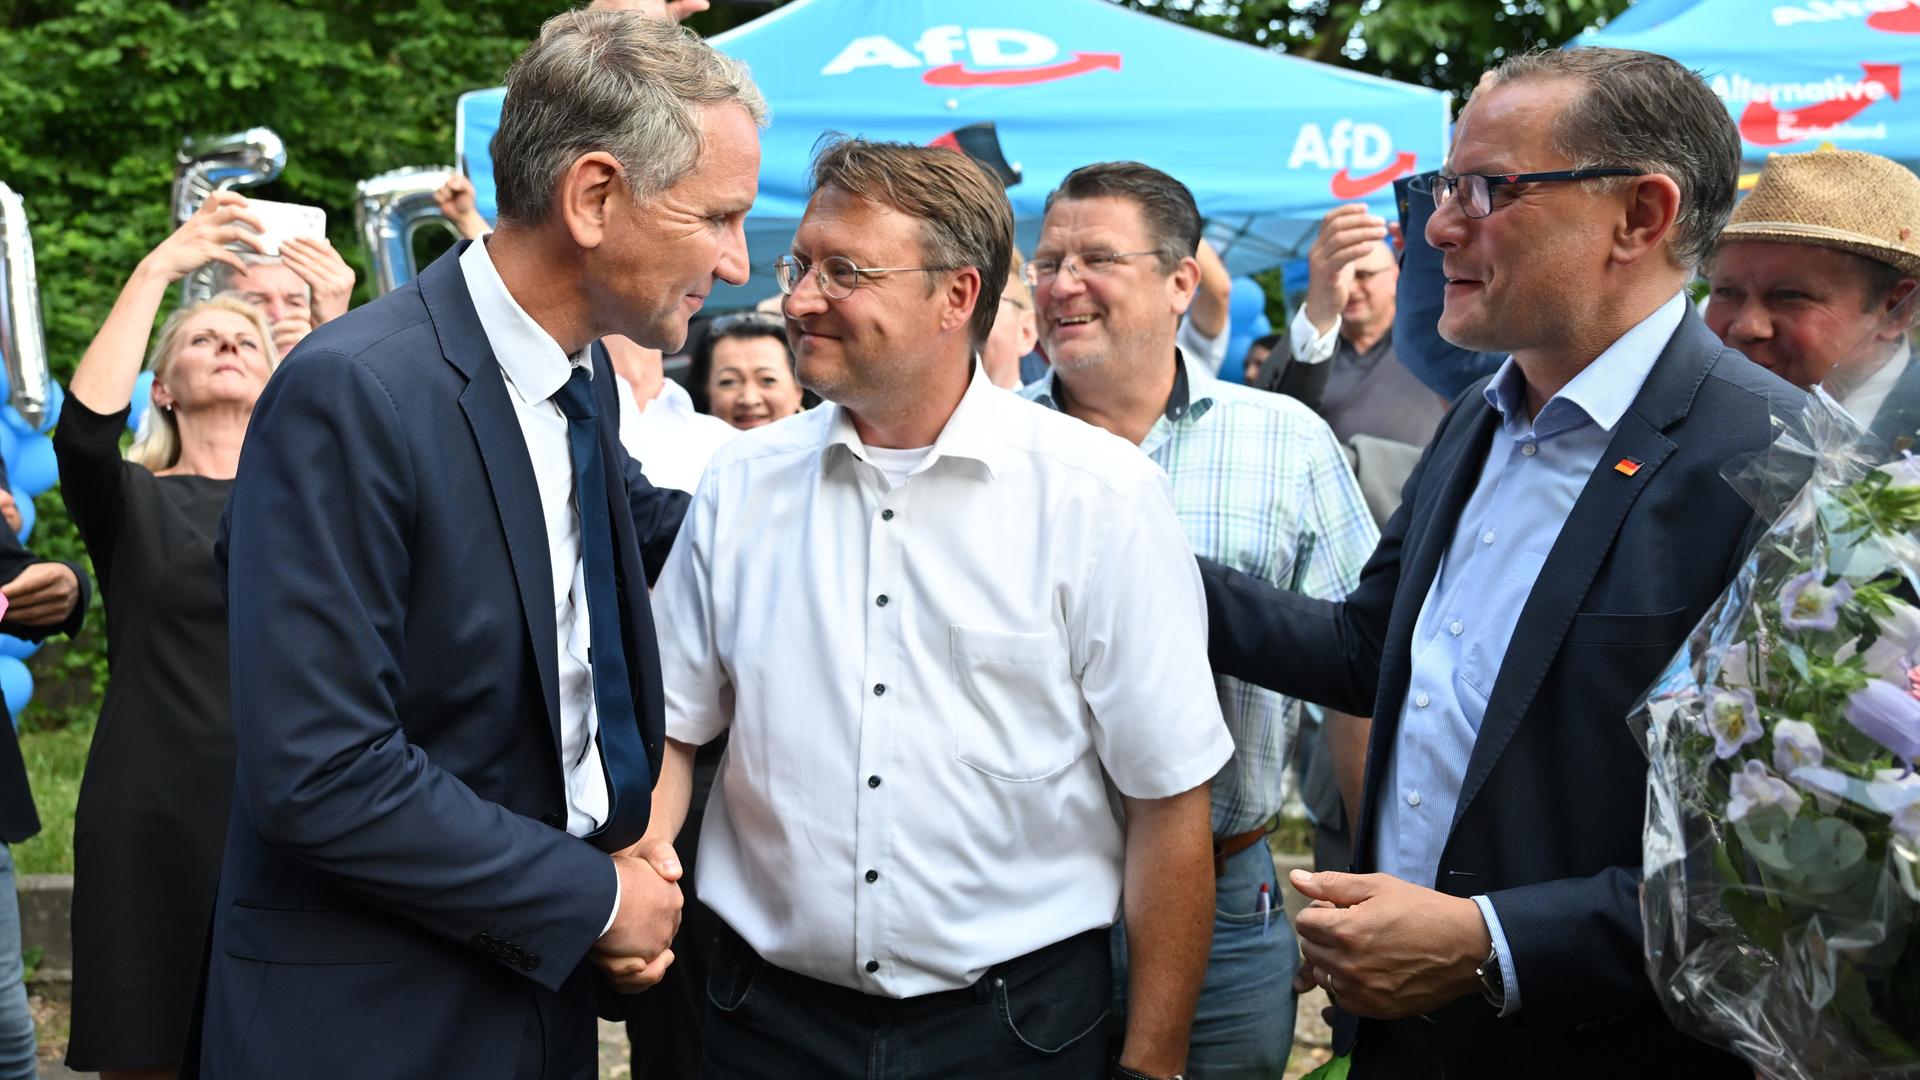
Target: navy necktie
(629,775)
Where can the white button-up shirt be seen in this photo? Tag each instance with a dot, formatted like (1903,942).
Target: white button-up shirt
(932,688)
(536,368)
(670,439)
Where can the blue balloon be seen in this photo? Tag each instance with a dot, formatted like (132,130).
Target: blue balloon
(11,417)
(142,397)
(9,446)
(18,648)
(33,468)
(16,685)
(27,513)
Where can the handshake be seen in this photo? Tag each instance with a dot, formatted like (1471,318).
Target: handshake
(634,952)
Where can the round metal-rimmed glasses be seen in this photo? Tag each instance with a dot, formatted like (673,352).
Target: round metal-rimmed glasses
(838,275)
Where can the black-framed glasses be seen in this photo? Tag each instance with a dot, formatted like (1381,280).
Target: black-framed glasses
(1475,190)
(838,275)
(1084,265)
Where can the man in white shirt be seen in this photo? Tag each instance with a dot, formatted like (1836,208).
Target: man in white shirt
(1809,277)
(659,426)
(960,720)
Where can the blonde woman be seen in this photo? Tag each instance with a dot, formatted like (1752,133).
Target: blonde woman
(152,817)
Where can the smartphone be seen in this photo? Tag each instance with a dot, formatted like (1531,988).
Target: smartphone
(285,221)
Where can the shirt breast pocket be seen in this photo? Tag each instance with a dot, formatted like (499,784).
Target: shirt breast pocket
(1016,709)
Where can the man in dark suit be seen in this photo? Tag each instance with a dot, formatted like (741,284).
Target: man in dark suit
(1561,535)
(446,692)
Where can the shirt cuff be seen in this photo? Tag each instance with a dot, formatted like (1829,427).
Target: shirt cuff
(615,913)
(1509,980)
(1310,346)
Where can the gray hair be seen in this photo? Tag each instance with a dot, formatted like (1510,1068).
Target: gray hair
(1648,112)
(221,276)
(1166,204)
(616,82)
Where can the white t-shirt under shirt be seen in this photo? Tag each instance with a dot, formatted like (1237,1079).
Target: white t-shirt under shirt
(895,465)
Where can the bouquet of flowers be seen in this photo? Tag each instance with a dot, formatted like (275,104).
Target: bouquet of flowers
(1782,848)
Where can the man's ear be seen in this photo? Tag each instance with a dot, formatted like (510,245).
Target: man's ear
(1182,284)
(962,293)
(585,196)
(1652,208)
(1894,329)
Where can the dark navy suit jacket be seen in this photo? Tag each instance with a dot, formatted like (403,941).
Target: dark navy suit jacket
(398,895)
(1549,818)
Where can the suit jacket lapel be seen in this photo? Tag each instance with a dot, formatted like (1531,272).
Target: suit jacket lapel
(503,452)
(1585,540)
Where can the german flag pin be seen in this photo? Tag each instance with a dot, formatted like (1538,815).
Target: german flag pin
(1627,466)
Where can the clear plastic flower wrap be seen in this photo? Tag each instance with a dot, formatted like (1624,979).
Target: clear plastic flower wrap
(1782,844)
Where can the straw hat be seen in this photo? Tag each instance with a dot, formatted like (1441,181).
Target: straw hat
(1844,199)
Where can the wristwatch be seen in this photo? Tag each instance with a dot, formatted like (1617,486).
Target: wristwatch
(1493,986)
(1121,1072)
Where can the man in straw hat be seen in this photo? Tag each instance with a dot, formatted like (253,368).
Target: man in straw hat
(1807,272)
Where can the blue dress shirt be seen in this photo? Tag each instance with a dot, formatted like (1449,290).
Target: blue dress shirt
(1535,470)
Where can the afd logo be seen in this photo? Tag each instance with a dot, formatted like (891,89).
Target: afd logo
(1351,147)
(1812,110)
(1891,16)
(995,57)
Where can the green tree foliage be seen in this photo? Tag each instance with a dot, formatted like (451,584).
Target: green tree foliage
(1444,44)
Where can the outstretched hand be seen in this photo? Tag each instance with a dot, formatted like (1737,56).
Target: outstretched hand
(634,953)
(221,220)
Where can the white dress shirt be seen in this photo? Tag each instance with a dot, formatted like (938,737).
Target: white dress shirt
(1867,398)
(933,689)
(536,368)
(670,439)
(1310,346)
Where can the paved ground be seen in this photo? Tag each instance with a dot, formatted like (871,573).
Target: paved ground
(1309,1047)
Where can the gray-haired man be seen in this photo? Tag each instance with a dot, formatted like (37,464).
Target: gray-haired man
(446,694)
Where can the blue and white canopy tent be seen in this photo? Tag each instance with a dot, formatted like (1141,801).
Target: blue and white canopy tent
(1794,74)
(1267,142)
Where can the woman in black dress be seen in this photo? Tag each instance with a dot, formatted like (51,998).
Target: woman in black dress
(152,817)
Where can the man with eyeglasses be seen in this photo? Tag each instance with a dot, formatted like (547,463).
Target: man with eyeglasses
(1563,532)
(958,723)
(1259,482)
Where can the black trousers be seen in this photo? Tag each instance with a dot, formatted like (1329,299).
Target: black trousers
(1038,1016)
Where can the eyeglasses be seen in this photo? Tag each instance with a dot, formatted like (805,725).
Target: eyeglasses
(748,320)
(1475,190)
(838,276)
(1082,266)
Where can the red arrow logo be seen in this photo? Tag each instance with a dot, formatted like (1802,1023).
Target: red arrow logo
(958,75)
(1904,20)
(1348,187)
(1762,124)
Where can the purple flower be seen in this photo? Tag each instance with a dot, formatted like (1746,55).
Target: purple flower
(1898,795)
(1734,720)
(1890,716)
(1807,604)
(1795,744)
(1753,788)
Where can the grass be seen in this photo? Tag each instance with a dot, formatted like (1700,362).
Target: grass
(55,760)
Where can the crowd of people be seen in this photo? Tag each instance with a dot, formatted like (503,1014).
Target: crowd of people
(912,692)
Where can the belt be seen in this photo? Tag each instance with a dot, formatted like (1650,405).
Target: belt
(1226,847)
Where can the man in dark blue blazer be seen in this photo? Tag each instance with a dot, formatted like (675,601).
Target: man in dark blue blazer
(446,692)
(1564,531)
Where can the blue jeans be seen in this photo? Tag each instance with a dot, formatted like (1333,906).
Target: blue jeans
(16,1022)
(1243,1025)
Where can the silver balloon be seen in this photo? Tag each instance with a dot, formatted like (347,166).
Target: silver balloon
(209,163)
(391,210)
(22,338)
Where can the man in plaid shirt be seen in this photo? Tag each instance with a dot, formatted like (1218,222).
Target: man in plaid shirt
(1259,483)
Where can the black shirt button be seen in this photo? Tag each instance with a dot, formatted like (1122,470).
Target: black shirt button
(529,962)
(886,515)
(873,876)
(873,781)
(881,600)
(879,689)
(873,966)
